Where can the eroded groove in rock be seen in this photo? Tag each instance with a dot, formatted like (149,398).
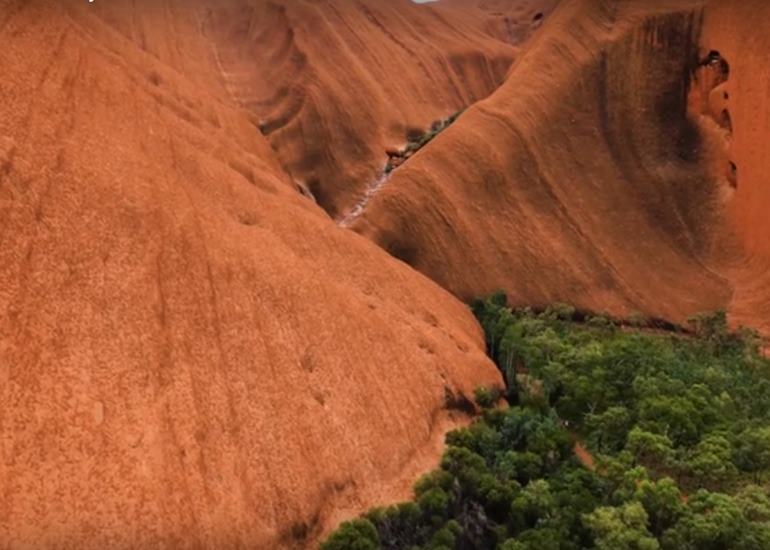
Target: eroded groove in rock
(336,84)
(738,32)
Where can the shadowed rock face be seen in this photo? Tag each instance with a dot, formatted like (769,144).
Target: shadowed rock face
(192,353)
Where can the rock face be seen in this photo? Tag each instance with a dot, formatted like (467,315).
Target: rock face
(738,33)
(334,83)
(510,22)
(588,177)
(192,354)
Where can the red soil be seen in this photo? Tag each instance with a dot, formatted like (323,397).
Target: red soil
(585,457)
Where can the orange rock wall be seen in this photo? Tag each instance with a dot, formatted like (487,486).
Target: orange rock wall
(579,180)
(739,32)
(191,353)
(335,83)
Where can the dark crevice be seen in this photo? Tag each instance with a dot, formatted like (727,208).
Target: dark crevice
(320,196)
(305,191)
(726,121)
(732,174)
(715,61)
(458,402)
(413,134)
(407,253)
(300,531)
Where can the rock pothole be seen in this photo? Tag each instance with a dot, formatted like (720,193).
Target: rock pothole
(711,76)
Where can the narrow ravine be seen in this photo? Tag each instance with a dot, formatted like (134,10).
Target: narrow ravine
(395,160)
(360,207)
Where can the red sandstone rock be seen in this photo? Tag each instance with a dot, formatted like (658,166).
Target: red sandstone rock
(579,179)
(341,80)
(192,353)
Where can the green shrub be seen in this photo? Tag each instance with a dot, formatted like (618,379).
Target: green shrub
(560,312)
(661,417)
(417,142)
(600,322)
(359,534)
(486,398)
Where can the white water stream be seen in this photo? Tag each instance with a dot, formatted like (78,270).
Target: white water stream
(371,191)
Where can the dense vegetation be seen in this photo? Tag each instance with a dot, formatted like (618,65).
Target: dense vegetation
(676,424)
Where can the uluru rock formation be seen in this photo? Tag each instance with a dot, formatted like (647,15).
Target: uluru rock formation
(333,84)
(738,34)
(593,176)
(193,353)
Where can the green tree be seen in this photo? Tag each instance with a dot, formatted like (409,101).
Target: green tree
(713,521)
(485,397)
(623,528)
(711,461)
(646,406)
(523,467)
(650,449)
(663,502)
(359,534)
(676,416)
(535,503)
(752,453)
(536,539)
(446,537)
(609,429)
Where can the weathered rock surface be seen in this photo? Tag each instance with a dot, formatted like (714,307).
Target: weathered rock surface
(588,177)
(738,32)
(192,354)
(334,83)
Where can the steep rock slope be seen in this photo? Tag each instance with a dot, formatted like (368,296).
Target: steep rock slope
(582,179)
(191,353)
(333,84)
(740,107)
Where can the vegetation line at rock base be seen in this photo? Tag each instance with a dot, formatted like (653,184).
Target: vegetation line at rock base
(676,429)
